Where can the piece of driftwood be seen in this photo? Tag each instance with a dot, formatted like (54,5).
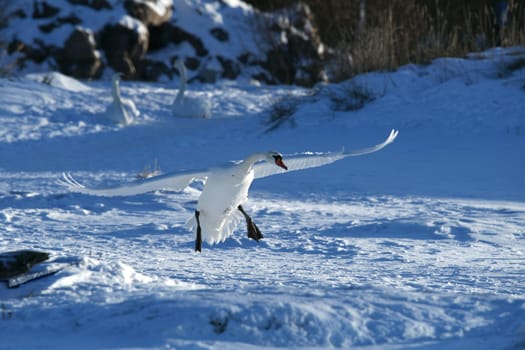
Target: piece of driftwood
(18,262)
(42,271)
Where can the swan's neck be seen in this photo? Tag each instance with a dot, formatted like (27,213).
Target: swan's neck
(115,90)
(251,160)
(182,85)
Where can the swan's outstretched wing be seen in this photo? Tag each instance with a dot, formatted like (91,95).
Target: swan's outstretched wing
(170,181)
(311,160)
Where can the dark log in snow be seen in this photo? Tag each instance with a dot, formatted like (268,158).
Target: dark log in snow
(19,262)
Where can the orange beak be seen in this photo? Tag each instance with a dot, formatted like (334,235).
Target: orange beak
(280,163)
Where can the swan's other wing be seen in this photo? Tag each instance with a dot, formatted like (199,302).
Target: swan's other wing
(360,152)
(131,108)
(175,181)
(311,160)
(297,161)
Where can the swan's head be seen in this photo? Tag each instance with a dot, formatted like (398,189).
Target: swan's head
(276,158)
(117,76)
(179,64)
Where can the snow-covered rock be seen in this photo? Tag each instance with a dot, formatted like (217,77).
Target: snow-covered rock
(80,57)
(142,39)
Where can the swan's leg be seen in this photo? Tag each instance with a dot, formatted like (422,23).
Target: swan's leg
(253,230)
(198,240)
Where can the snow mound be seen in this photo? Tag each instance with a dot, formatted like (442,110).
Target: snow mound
(59,80)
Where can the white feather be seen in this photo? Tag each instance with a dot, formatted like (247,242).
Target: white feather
(225,188)
(170,181)
(307,160)
(122,110)
(187,106)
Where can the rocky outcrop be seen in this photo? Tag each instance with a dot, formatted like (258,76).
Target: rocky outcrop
(298,59)
(142,39)
(169,33)
(80,57)
(148,12)
(125,45)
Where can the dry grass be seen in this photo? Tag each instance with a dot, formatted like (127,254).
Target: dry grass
(513,34)
(418,32)
(282,112)
(397,32)
(352,96)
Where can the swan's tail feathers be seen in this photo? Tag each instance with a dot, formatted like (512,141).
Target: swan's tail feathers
(213,232)
(389,140)
(391,137)
(69,182)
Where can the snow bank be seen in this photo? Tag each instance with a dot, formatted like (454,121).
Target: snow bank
(418,246)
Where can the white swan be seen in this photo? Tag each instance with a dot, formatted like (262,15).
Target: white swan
(122,110)
(188,106)
(225,188)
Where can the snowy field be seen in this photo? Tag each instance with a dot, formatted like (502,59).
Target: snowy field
(418,246)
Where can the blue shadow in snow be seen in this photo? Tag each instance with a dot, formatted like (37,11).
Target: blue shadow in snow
(400,229)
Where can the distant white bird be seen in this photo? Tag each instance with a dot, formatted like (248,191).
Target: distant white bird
(225,188)
(122,110)
(188,106)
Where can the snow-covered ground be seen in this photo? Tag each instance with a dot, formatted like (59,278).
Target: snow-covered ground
(418,246)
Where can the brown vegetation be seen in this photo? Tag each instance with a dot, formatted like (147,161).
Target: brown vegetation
(4,69)
(383,34)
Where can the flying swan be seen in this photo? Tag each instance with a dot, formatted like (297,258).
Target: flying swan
(122,110)
(225,188)
(187,106)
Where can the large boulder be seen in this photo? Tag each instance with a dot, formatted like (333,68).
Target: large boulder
(80,57)
(125,44)
(169,33)
(149,12)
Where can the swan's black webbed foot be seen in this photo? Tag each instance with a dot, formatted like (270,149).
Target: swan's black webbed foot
(253,230)
(198,240)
